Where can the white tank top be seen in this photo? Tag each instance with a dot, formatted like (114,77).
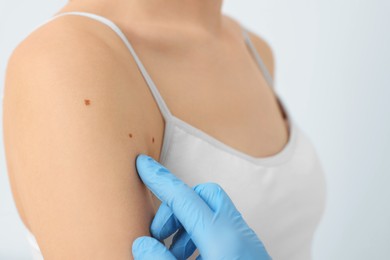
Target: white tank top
(282,197)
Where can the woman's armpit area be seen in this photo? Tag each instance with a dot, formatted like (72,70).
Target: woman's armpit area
(77,185)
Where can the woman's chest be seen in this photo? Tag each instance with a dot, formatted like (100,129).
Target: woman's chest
(281,197)
(224,95)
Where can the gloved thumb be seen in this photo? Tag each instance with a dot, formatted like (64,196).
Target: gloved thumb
(149,248)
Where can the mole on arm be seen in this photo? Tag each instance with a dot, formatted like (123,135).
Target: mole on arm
(130,135)
(87,102)
(153,139)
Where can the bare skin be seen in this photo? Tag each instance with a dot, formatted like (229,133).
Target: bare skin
(85,111)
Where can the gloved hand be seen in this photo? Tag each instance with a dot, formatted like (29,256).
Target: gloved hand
(204,218)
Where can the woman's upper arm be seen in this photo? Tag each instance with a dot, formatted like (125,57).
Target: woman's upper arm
(67,124)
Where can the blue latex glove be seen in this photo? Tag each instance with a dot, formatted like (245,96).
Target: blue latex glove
(204,218)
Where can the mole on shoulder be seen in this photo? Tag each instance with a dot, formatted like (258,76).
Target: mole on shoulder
(153,139)
(130,135)
(87,102)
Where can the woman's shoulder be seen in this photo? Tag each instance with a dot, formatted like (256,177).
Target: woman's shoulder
(77,54)
(62,39)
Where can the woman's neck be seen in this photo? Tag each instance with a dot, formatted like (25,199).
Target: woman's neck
(200,14)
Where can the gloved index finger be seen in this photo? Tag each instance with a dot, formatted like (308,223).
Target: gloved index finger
(190,209)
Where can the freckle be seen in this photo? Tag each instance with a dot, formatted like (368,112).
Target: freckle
(130,135)
(153,139)
(87,102)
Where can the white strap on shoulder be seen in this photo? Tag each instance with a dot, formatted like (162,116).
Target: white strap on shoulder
(257,56)
(160,101)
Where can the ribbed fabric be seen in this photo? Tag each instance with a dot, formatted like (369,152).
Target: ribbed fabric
(282,197)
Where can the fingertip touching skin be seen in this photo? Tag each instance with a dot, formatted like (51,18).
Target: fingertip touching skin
(160,180)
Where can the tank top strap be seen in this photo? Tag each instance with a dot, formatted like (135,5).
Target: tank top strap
(152,86)
(257,57)
(160,101)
